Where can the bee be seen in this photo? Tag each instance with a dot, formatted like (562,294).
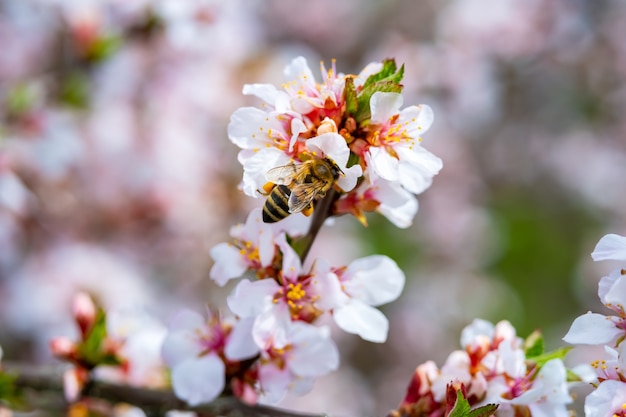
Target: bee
(298,186)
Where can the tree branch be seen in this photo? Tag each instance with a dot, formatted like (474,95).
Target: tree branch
(43,388)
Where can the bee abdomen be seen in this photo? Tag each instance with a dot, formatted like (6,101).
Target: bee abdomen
(277,204)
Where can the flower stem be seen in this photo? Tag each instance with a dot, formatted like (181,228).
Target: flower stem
(322,211)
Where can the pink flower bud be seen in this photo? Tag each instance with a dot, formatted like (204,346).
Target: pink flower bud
(73,382)
(84,311)
(63,347)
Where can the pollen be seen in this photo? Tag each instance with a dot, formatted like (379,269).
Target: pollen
(295,293)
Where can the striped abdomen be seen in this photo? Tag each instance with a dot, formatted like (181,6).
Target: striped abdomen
(276,206)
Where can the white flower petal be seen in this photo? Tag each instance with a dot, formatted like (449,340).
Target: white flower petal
(477,329)
(330,145)
(274,383)
(384,106)
(249,299)
(269,94)
(417,168)
(606,400)
(256,166)
(615,297)
(229,263)
(611,246)
(199,380)
(350,177)
(240,344)
(606,283)
(592,329)
(396,204)
(383,164)
(178,347)
(243,129)
(359,318)
(297,127)
(416,120)
(316,354)
(374,280)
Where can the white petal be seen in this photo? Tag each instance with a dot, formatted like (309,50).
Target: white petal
(374,280)
(243,129)
(358,318)
(179,347)
(240,343)
(199,380)
(270,327)
(611,246)
(229,263)
(331,145)
(476,329)
(327,284)
(606,400)
(298,70)
(186,320)
(384,106)
(297,127)
(417,168)
(292,265)
(615,298)
(606,283)
(351,175)
(592,329)
(396,204)
(315,355)
(274,383)
(256,167)
(416,120)
(383,164)
(266,92)
(249,299)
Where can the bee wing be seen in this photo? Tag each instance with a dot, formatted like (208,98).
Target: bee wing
(302,195)
(282,175)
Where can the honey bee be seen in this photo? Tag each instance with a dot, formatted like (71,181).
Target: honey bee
(298,186)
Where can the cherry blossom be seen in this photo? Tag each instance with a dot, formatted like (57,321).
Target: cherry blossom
(198,351)
(291,364)
(595,328)
(609,399)
(394,152)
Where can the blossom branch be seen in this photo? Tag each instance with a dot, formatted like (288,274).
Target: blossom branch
(322,212)
(36,381)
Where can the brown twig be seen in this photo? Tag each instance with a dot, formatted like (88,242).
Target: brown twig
(43,388)
(320,214)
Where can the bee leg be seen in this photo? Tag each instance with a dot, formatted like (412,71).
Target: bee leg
(267,188)
(308,210)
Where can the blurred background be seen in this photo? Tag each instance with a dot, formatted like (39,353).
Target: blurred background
(117,176)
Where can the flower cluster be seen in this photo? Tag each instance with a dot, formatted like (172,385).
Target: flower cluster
(354,120)
(609,397)
(280,305)
(122,346)
(494,367)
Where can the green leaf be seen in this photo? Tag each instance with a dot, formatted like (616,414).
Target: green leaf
(91,349)
(555,354)
(461,406)
(484,411)
(364,111)
(75,90)
(103,47)
(533,345)
(389,68)
(9,394)
(572,376)
(350,96)
(19,99)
